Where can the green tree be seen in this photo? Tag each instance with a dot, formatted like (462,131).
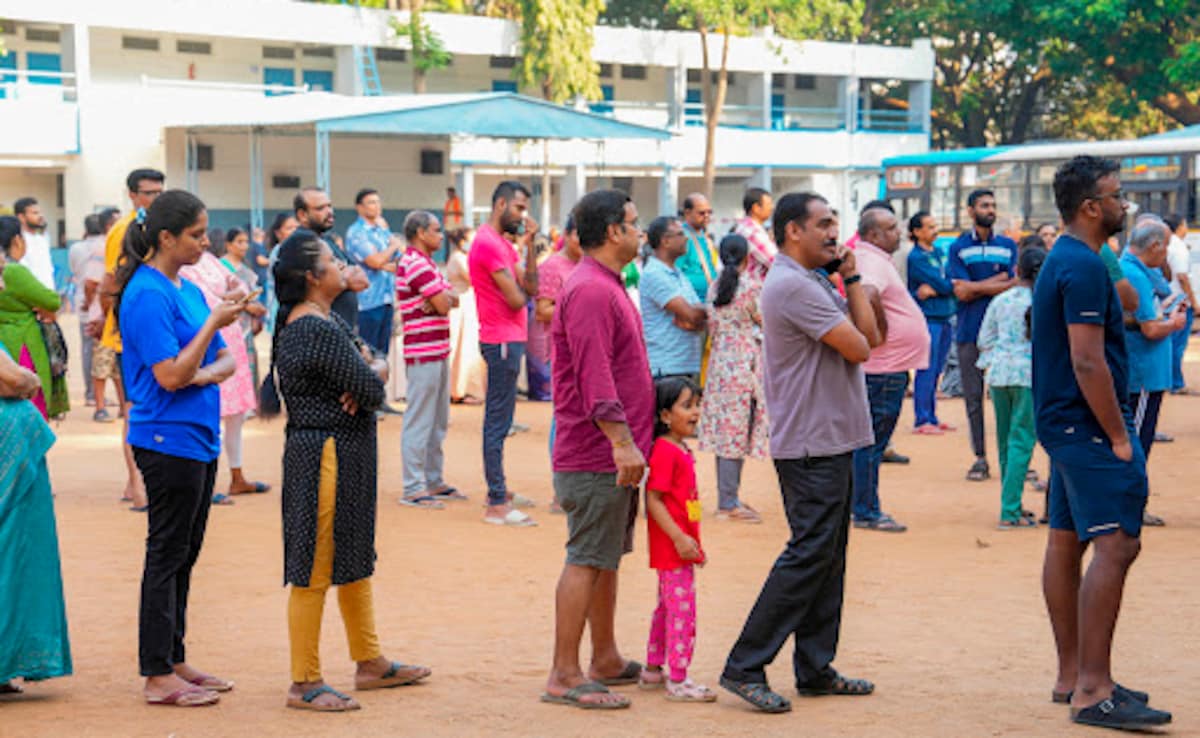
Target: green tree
(428,52)
(556,48)
(727,18)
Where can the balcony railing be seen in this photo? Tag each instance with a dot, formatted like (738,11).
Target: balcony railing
(34,85)
(196,84)
(887,120)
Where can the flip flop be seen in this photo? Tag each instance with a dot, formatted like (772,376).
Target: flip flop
(393,677)
(427,502)
(572,698)
(306,701)
(836,685)
(629,675)
(222,499)
(10,688)
(514,518)
(186,697)
(212,683)
(259,488)
(449,493)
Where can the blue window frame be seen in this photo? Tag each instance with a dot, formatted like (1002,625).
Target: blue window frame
(777,117)
(37,61)
(606,94)
(693,108)
(278,76)
(317,79)
(504,85)
(7,61)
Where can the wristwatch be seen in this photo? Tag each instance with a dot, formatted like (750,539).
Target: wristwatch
(853,278)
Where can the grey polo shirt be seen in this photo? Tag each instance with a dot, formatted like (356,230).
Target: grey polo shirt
(816,400)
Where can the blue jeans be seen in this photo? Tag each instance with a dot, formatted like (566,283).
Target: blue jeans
(503,367)
(1179,342)
(375,327)
(885,393)
(926,383)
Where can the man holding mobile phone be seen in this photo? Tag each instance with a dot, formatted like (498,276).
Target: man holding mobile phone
(503,288)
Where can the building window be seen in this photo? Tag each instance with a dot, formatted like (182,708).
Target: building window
(805,82)
(324,52)
(279,52)
(504,85)
(139,43)
(193,47)
(502,62)
(693,76)
(204,157)
(433,162)
(778,81)
(633,71)
(45,35)
(7,27)
(391,55)
(732,80)
(606,71)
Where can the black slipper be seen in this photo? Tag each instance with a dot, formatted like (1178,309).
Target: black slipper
(836,685)
(1064,698)
(758,694)
(1121,713)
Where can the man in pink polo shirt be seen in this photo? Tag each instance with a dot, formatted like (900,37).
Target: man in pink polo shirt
(503,289)
(905,347)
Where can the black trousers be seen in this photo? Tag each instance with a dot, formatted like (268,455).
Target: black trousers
(180,495)
(802,596)
(972,389)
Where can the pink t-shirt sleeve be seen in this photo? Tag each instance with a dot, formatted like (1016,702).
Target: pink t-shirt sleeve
(492,259)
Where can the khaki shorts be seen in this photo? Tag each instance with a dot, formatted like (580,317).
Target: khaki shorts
(600,517)
(106,363)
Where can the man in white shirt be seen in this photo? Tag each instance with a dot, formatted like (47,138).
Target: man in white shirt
(37,245)
(1179,259)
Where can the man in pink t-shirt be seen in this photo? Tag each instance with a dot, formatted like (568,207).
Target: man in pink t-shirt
(503,289)
(905,347)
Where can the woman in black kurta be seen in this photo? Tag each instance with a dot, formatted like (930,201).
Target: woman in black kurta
(331,389)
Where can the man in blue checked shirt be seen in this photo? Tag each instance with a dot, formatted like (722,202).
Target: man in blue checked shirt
(982,264)
(369,242)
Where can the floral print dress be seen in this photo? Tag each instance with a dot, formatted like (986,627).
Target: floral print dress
(733,417)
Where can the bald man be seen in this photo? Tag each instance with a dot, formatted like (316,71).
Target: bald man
(699,264)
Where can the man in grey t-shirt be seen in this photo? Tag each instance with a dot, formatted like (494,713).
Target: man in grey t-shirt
(814,344)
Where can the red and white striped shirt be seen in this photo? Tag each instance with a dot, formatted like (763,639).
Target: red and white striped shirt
(426,336)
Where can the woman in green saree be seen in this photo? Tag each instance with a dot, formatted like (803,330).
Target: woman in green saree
(23,298)
(33,615)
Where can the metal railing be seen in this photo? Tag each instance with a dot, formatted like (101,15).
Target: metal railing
(801,119)
(32,84)
(887,120)
(196,84)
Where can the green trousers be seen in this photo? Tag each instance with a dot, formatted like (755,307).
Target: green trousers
(1016,436)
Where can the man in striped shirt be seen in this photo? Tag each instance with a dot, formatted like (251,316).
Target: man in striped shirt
(424,299)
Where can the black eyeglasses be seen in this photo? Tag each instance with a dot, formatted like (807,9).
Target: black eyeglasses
(1119,195)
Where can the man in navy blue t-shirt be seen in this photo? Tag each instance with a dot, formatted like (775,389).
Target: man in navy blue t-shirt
(981,264)
(1098,481)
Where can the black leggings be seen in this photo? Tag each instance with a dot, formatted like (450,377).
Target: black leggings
(180,495)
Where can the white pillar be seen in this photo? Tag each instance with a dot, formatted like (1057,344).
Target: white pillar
(848,101)
(668,191)
(762,178)
(574,187)
(760,97)
(676,94)
(77,60)
(346,80)
(466,190)
(920,105)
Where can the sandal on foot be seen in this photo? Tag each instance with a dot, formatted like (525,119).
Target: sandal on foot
(448,493)
(10,688)
(689,691)
(399,675)
(979,471)
(1064,698)
(1022,522)
(758,694)
(836,685)
(652,684)
(426,501)
(1122,713)
(631,674)
(574,698)
(1152,521)
(514,518)
(308,700)
(186,697)
(222,499)
(884,524)
(256,488)
(212,683)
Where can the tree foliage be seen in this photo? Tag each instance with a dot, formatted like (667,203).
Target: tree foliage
(556,48)
(428,52)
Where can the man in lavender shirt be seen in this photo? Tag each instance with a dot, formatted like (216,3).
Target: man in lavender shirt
(604,409)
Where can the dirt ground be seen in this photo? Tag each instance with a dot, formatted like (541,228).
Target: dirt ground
(947,618)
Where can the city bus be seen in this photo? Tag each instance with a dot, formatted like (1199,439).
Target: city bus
(1160,173)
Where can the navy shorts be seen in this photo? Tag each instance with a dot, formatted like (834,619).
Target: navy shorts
(1094,493)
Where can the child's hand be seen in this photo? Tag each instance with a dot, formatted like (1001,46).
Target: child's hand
(688,548)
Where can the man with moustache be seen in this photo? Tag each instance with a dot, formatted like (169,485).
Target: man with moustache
(314,211)
(814,346)
(981,264)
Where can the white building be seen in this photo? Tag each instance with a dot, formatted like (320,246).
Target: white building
(90,90)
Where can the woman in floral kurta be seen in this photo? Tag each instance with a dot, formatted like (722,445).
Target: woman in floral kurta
(1006,355)
(733,419)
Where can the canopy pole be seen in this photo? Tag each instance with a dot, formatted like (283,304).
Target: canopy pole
(191,177)
(323,161)
(466,187)
(256,179)
(544,215)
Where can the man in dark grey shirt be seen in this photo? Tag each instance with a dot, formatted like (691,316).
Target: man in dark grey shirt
(814,344)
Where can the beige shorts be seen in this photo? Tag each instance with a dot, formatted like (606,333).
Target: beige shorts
(106,363)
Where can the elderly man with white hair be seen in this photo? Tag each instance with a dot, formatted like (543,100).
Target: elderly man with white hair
(1148,330)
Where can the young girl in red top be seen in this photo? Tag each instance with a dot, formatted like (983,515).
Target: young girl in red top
(673,514)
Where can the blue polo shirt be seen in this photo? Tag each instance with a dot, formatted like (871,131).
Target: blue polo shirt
(1073,287)
(974,260)
(363,240)
(671,349)
(1149,361)
(157,320)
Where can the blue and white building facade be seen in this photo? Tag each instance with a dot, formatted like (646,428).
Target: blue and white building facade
(91,90)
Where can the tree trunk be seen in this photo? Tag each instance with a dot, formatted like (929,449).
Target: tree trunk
(714,104)
(418,44)
(418,81)
(1178,107)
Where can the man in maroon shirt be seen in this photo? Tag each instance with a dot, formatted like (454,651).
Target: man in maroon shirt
(604,409)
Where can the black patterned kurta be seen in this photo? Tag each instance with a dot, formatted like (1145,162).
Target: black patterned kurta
(318,361)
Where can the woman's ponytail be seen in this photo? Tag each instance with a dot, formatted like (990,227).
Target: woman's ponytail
(734,249)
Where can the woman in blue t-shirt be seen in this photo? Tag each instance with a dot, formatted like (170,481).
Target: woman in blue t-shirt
(172,363)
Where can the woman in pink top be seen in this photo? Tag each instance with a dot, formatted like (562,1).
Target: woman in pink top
(238,393)
(552,275)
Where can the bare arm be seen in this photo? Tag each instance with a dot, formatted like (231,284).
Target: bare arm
(1096,383)
(687,547)
(967,291)
(181,370)
(862,314)
(216,372)
(628,458)
(383,260)
(1185,283)
(514,294)
(544,310)
(1129,296)
(441,302)
(356,279)
(108,289)
(1156,330)
(880,316)
(15,380)
(687,316)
